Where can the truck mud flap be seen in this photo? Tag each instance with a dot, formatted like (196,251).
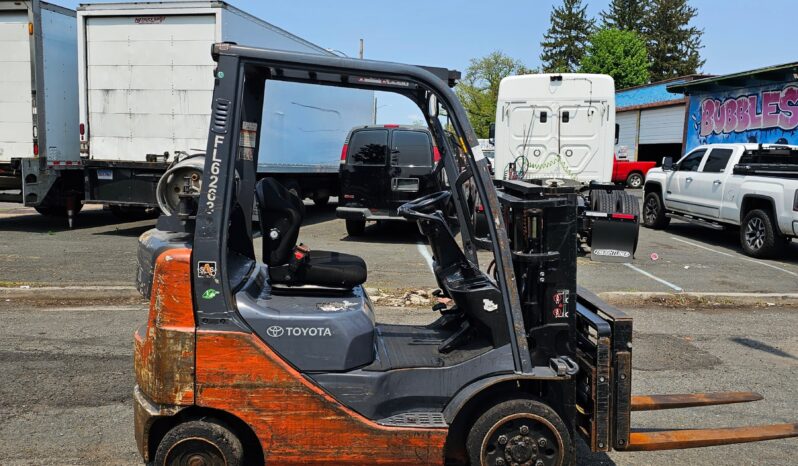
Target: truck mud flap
(613,236)
(605,402)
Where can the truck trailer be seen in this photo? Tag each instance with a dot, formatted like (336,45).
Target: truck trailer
(145,80)
(39,158)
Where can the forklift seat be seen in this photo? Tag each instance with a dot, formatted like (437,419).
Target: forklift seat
(281,213)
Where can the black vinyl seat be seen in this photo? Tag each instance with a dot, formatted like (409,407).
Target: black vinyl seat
(281,213)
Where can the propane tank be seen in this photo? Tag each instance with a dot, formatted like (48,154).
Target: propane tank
(182,173)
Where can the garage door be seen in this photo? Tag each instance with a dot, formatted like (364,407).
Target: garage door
(627,136)
(16,116)
(149,84)
(662,125)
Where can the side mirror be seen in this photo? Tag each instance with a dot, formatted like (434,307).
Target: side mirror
(492,133)
(667,164)
(617,133)
(432,105)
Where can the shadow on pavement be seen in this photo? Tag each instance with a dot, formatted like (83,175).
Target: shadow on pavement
(758,345)
(726,240)
(393,232)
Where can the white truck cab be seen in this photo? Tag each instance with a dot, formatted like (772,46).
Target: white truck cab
(754,186)
(559,126)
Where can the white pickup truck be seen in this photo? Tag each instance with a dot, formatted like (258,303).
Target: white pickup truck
(753,186)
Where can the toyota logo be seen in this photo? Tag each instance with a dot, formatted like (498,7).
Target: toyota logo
(275,331)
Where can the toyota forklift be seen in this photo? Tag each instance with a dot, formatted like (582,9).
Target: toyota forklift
(275,357)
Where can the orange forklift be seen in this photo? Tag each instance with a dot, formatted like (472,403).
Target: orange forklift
(276,358)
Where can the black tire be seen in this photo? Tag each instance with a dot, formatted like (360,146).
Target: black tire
(508,419)
(627,204)
(635,180)
(759,235)
(654,212)
(293,186)
(199,440)
(321,201)
(355,227)
(602,201)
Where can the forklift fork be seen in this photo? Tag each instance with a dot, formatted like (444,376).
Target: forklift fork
(605,403)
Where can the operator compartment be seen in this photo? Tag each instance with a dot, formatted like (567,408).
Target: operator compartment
(315,329)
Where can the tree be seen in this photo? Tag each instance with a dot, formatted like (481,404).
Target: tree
(620,54)
(479,89)
(673,45)
(564,43)
(626,15)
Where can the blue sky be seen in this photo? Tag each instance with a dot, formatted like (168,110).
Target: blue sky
(738,34)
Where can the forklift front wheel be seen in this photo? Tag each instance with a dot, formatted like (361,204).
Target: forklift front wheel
(201,443)
(520,432)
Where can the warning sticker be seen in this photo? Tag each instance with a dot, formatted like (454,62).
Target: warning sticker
(249,134)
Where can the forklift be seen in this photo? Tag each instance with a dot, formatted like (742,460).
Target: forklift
(276,358)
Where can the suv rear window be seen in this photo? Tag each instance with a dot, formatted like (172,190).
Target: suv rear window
(368,147)
(411,149)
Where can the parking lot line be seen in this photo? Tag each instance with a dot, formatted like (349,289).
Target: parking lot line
(654,277)
(794,274)
(422,249)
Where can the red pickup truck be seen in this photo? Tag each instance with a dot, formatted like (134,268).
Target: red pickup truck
(629,172)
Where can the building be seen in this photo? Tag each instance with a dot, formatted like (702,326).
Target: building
(753,106)
(651,121)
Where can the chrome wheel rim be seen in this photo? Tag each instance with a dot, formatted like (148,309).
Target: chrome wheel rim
(652,210)
(635,181)
(755,233)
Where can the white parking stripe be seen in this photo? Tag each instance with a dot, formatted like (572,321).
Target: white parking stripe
(654,277)
(794,274)
(422,249)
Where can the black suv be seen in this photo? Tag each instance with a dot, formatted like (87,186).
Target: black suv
(382,167)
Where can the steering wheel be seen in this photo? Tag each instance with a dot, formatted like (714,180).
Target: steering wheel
(423,207)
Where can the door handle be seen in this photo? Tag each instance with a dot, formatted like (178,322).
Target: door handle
(716,182)
(688,179)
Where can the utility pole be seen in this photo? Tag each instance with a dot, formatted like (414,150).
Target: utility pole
(361,49)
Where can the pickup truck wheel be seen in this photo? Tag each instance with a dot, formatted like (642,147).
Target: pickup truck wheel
(654,212)
(355,227)
(758,235)
(635,180)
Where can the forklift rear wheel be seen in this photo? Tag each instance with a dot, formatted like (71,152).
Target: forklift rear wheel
(199,443)
(355,227)
(523,432)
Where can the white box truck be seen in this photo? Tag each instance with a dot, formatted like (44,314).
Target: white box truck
(145,80)
(558,130)
(40,163)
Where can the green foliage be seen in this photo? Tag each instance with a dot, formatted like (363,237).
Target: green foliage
(479,89)
(565,42)
(620,54)
(673,45)
(626,15)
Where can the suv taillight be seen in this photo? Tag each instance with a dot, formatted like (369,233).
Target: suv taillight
(795,201)
(436,155)
(344,150)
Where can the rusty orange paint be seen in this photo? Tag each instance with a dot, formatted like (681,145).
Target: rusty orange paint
(657,402)
(694,438)
(164,347)
(297,422)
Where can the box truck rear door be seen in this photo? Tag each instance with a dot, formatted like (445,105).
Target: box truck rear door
(150,80)
(16,112)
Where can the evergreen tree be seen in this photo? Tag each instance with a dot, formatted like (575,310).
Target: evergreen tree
(569,32)
(620,54)
(673,45)
(626,15)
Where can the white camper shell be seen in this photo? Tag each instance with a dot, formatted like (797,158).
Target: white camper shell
(38,100)
(555,126)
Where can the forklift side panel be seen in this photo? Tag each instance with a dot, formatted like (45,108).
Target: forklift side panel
(165,345)
(293,418)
